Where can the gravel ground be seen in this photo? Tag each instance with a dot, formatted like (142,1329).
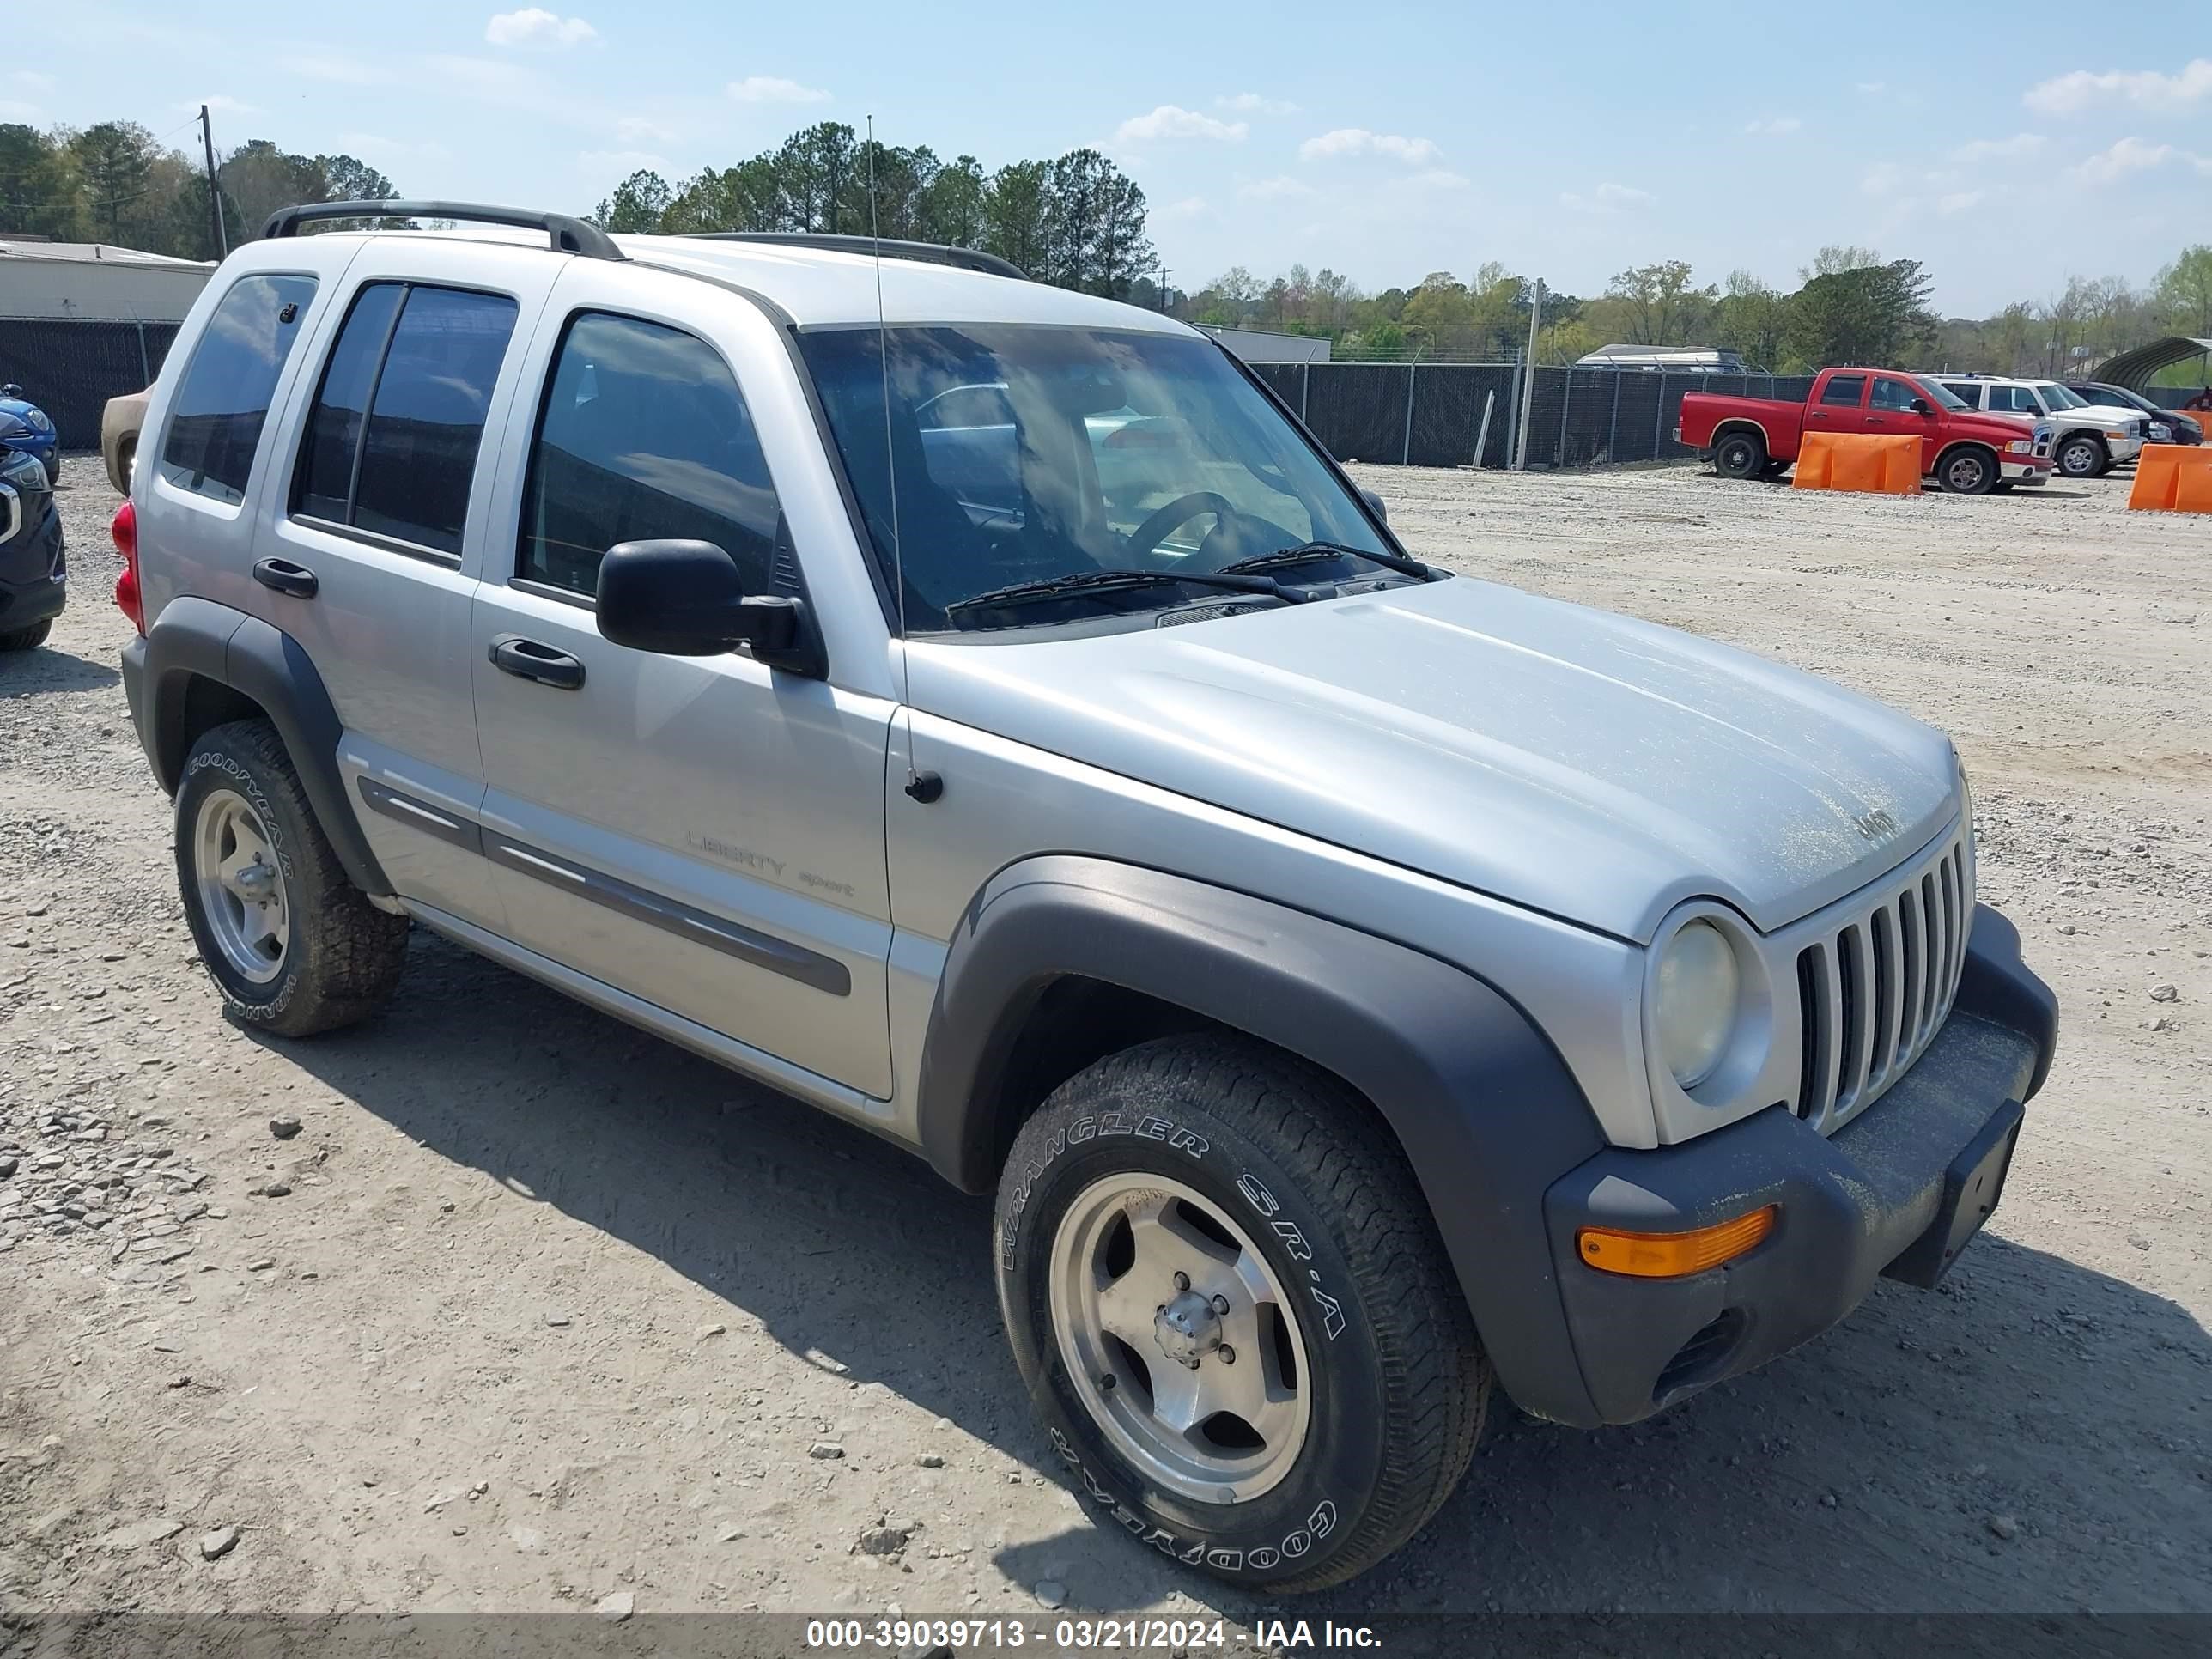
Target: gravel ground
(530,1310)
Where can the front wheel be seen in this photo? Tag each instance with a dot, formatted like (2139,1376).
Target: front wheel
(1739,454)
(1231,1310)
(2083,457)
(27,639)
(1969,472)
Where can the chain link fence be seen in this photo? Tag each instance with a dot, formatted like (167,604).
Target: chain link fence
(71,369)
(1437,414)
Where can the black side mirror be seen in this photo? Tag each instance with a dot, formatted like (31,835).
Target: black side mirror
(1375,505)
(685,599)
(1921,406)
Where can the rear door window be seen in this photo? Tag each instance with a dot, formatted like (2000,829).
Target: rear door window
(222,402)
(392,439)
(1844,391)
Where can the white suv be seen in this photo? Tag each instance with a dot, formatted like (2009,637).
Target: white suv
(982,711)
(2088,439)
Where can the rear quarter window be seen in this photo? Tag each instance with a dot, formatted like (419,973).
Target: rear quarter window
(222,402)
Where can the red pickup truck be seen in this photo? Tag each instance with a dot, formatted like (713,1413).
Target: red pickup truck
(1964,450)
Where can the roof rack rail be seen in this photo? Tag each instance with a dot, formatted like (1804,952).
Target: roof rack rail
(936,254)
(567,236)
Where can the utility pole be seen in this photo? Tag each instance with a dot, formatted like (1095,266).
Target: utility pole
(214,192)
(1164,307)
(1528,379)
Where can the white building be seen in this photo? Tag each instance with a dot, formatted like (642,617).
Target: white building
(87,282)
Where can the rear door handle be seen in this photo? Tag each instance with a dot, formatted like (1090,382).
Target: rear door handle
(286,577)
(527,659)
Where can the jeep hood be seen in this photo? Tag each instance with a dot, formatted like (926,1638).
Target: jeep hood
(1592,767)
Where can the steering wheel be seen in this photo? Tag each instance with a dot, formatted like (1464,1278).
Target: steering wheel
(1150,534)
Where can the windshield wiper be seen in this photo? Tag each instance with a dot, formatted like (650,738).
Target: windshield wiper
(1314,552)
(1108,581)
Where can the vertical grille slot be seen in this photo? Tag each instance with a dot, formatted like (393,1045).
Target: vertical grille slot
(1818,1037)
(1912,938)
(1935,928)
(1886,965)
(1852,1045)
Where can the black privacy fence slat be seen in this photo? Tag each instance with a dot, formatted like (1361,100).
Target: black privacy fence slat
(1432,414)
(71,369)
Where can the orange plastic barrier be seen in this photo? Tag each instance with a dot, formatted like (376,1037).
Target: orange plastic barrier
(1878,462)
(2173,478)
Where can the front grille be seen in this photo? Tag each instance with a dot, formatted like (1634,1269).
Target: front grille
(1874,988)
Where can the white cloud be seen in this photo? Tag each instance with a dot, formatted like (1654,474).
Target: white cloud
(1442,178)
(1870,88)
(1774,125)
(1883,179)
(1282,187)
(620,163)
(533,26)
(1992,149)
(2067,95)
(1607,199)
(639,130)
(1172,121)
(2133,155)
(775,89)
(1358,140)
(1189,208)
(1251,103)
(1959,200)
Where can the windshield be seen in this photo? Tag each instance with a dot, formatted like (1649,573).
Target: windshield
(2057,396)
(1941,395)
(1025,453)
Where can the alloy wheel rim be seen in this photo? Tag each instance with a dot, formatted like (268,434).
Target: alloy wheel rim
(1181,1342)
(241,886)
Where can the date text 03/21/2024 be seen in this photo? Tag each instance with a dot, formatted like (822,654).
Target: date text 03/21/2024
(1110,1635)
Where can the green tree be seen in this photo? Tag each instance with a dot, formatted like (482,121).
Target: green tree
(1837,257)
(1659,303)
(115,161)
(1014,214)
(637,204)
(38,184)
(259,177)
(1751,320)
(2183,292)
(952,203)
(1874,314)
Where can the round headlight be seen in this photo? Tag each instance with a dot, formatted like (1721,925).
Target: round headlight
(1699,985)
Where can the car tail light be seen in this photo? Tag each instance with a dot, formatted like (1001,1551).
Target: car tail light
(125,531)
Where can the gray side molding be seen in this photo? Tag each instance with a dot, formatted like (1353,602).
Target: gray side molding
(198,637)
(1486,1112)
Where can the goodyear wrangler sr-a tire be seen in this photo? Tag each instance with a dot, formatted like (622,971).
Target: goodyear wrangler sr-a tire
(1227,1299)
(294,947)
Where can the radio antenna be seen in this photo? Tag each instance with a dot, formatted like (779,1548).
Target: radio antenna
(890,449)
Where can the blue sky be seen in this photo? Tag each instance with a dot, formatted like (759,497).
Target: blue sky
(2005,147)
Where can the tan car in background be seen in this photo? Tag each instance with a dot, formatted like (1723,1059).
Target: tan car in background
(120,423)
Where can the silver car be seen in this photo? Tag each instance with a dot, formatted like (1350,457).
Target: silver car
(1362,986)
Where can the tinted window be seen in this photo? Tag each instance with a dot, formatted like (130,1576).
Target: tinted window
(644,434)
(1891,394)
(323,485)
(2014,400)
(1966,392)
(1845,390)
(424,427)
(215,423)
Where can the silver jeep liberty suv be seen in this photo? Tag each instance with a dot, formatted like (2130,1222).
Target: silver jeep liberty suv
(983,711)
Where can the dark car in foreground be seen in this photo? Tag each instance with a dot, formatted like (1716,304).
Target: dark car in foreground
(34,575)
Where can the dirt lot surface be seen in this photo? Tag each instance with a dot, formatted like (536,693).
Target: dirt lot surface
(534,1311)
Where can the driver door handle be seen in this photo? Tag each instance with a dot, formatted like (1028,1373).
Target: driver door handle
(286,577)
(529,660)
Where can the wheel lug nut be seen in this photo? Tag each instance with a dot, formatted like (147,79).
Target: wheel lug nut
(1228,1354)
(1182,1282)
(1221,1304)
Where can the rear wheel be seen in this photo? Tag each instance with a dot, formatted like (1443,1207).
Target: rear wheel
(2083,457)
(1740,453)
(294,947)
(1969,472)
(1229,1304)
(27,639)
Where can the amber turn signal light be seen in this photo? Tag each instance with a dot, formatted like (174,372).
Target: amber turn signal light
(1674,1255)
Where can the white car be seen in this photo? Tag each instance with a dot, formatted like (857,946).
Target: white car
(2089,440)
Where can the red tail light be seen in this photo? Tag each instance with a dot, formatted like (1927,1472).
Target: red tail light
(125,531)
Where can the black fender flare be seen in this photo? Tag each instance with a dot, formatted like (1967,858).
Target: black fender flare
(195,637)
(1484,1108)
